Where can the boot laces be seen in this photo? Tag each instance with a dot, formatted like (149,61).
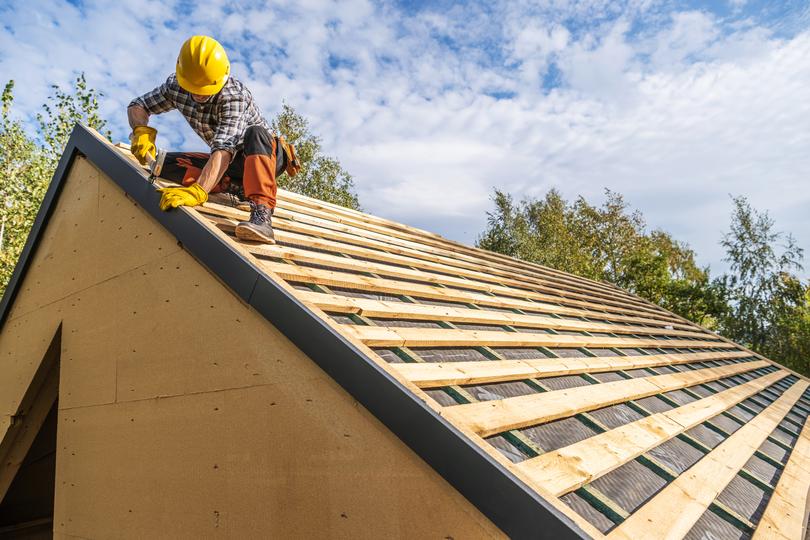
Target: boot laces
(259,213)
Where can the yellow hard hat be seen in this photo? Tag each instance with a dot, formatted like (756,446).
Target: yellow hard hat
(202,66)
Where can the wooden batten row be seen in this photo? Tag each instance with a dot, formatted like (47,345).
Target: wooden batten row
(788,512)
(677,507)
(384,256)
(403,310)
(576,283)
(411,257)
(362,283)
(338,262)
(315,227)
(493,417)
(566,469)
(552,282)
(378,336)
(437,374)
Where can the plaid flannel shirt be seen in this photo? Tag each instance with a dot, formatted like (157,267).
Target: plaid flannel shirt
(221,121)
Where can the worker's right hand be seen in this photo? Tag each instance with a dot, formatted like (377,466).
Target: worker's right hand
(142,143)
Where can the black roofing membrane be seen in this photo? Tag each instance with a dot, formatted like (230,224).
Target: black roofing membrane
(588,512)
(616,415)
(449,354)
(710,526)
(441,397)
(507,449)
(744,498)
(504,390)
(559,433)
(402,323)
(676,454)
(630,485)
(763,470)
(519,353)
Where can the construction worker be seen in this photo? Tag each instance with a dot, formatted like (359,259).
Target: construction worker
(243,160)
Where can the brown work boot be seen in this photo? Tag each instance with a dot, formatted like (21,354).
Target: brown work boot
(258,228)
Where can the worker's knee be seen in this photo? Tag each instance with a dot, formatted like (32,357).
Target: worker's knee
(258,141)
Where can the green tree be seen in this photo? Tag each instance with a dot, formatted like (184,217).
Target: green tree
(27,162)
(321,177)
(768,307)
(607,243)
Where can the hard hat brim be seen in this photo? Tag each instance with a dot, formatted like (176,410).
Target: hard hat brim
(207,90)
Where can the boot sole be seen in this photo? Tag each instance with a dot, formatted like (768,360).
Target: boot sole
(247,233)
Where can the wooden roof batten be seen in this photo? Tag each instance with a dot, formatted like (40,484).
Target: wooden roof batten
(485,352)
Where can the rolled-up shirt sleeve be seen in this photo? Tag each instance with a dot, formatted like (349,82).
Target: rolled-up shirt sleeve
(231,125)
(156,101)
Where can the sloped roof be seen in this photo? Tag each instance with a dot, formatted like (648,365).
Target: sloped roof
(559,406)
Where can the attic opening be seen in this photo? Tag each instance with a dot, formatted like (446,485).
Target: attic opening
(28,455)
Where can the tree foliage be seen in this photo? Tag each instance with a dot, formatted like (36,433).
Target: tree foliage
(759,303)
(606,243)
(321,176)
(767,306)
(27,162)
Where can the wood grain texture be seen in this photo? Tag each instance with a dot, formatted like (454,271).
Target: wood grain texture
(492,417)
(573,466)
(675,509)
(788,511)
(405,310)
(374,336)
(329,229)
(435,374)
(331,278)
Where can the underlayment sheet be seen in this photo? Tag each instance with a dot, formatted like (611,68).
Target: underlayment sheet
(566,381)
(763,470)
(518,353)
(630,486)
(507,449)
(504,390)
(676,454)
(608,376)
(744,498)
(369,295)
(705,435)
(480,327)
(559,433)
(447,354)
(399,323)
(584,509)
(567,352)
(441,397)
(710,526)
(389,356)
(527,330)
(616,415)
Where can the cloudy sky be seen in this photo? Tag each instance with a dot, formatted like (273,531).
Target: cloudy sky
(430,105)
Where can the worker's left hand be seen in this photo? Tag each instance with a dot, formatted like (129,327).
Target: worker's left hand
(173,197)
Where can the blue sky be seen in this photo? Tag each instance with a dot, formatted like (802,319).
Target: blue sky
(430,105)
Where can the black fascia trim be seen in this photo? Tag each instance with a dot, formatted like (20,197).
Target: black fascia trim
(44,213)
(509,503)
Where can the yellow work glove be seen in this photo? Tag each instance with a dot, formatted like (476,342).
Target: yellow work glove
(173,197)
(142,143)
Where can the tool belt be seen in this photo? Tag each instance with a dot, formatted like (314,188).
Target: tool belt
(292,165)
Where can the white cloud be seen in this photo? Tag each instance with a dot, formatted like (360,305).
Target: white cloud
(675,110)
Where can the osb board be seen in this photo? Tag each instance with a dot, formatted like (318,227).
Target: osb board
(77,247)
(261,462)
(23,342)
(185,414)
